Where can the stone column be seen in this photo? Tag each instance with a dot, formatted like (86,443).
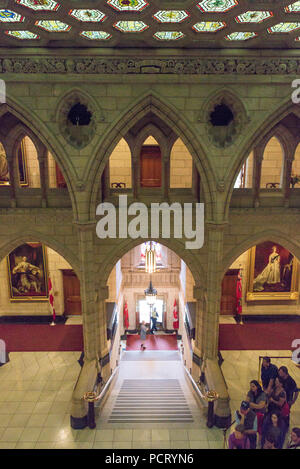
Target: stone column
(200,297)
(258,155)
(166,173)
(105,182)
(91,367)
(13,178)
(213,376)
(286,177)
(43,165)
(195,183)
(103,353)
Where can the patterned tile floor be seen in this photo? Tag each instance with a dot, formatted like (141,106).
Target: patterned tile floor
(35,393)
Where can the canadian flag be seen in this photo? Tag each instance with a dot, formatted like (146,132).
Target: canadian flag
(175,316)
(126,318)
(51,299)
(239,294)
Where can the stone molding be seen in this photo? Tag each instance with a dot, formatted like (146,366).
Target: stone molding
(129,65)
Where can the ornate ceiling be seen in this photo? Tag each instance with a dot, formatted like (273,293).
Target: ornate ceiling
(250,24)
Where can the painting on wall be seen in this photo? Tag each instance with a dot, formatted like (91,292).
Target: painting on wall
(272,273)
(27,272)
(21,163)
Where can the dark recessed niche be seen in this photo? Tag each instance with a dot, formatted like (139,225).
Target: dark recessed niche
(221,116)
(79,115)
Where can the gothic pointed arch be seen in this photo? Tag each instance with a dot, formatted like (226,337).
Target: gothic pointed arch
(151,103)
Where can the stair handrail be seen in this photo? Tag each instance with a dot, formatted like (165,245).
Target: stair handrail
(202,397)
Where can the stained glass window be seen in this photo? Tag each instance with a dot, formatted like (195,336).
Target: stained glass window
(217,5)
(9,16)
(88,15)
(254,16)
(53,26)
(294,7)
(128,5)
(284,27)
(131,26)
(46,5)
(209,26)
(22,34)
(168,35)
(240,36)
(171,16)
(96,35)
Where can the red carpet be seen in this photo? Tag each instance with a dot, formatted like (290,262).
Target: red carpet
(258,336)
(42,337)
(153,342)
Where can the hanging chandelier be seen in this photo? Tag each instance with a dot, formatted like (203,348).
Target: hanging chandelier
(150,259)
(150,294)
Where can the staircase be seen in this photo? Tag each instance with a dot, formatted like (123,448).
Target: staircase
(150,401)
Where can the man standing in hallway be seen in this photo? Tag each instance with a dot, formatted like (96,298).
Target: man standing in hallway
(289,385)
(269,373)
(154,317)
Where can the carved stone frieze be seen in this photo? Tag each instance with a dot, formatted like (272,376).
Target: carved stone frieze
(178,66)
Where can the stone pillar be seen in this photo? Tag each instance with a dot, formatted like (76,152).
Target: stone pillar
(258,156)
(103,353)
(195,183)
(135,178)
(200,297)
(43,165)
(286,178)
(13,179)
(214,379)
(166,174)
(91,368)
(105,182)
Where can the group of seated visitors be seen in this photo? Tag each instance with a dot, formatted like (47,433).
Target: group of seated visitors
(263,419)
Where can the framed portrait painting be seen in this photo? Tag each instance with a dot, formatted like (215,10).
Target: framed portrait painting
(21,165)
(272,273)
(27,273)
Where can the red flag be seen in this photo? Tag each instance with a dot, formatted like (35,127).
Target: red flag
(126,318)
(175,316)
(51,299)
(239,294)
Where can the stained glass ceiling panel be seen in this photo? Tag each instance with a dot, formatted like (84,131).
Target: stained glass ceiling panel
(294,7)
(131,26)
(88,15)
(53,26)
(171,16)
(204,24)
(22,34)
(254,16)
(169,35)
(128,5)
(209,26)
(41,5)
(9,16)
(220,6)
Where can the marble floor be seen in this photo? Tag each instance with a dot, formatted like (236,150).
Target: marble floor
(36,388)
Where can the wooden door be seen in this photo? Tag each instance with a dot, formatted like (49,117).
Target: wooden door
(150,166)
(72,297)
(228,299)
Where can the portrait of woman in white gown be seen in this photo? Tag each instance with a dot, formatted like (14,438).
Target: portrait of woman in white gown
(270,274)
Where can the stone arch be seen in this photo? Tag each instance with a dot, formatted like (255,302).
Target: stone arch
(21,238)
(42,133)
(262,128)
(267,235)
(178,247)
(170,115)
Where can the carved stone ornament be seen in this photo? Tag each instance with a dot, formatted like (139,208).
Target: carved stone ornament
(78,135)
(224,135)
(128,65)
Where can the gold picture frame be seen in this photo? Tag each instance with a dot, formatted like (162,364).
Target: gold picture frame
(21,167)
(272,273)
(28,273)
